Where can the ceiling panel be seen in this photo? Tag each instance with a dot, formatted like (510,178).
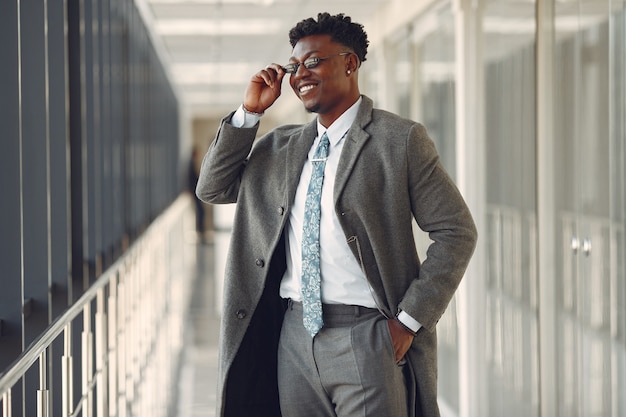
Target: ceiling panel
(213,47)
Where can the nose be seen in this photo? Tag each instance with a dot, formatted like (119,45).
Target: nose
(300,68)
(301,72)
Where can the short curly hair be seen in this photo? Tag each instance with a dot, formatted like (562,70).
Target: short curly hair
(341,28)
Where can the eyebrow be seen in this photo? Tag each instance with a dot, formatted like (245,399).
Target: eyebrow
(309,53)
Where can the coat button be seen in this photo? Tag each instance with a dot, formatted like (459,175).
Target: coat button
(281,210)
(260,263)
(241,314)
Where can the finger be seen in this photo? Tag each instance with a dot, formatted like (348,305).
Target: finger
(276,73)
(267,77)
(270,77)
(275,67)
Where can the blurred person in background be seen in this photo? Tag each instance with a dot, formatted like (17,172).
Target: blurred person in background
(192,182)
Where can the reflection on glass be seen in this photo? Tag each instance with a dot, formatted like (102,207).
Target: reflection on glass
(509,65)
(432,77)
(589,174)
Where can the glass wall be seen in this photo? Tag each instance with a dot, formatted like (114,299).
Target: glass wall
(435,83)
(434,86)
(617,161)
(563,168)
(589,207)
(401,55)
(512,305)
(420,85)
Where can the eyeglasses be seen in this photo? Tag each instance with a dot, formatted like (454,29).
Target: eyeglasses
(309,63)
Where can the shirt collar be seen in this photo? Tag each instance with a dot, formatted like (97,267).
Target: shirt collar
(338,129)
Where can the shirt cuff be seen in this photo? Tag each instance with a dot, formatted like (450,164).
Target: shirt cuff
(409,321)
(241,118)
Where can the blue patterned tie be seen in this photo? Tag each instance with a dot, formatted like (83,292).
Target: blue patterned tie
(311,277)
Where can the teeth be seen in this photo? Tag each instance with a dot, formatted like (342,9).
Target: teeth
(306,88)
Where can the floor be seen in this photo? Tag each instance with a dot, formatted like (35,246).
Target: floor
(197,388)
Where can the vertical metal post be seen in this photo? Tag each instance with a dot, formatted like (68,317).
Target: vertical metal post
(6,404)
(87,362)
(132,330)
(162,329)
(154,258)
(43,403)
(43,400)
(101,352)
(67,373)
(112,344)
(143,324)
(121,393)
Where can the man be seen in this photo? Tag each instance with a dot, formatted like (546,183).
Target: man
(343,243)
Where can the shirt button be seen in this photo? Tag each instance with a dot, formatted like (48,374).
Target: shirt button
(281,211)
(241,314)
(260,263)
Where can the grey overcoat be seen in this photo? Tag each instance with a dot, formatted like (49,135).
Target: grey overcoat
(389,172)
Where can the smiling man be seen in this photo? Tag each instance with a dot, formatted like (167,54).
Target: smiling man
(328,310)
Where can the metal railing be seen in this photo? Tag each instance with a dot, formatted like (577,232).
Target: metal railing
(131,343)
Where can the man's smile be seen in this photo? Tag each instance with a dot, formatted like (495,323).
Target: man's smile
(303,89)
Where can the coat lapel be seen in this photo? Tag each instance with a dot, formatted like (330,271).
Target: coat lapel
(355,140)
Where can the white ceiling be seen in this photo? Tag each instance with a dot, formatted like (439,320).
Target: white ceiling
(213,47)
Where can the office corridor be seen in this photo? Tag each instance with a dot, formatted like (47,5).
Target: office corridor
(197,382)
(109,306)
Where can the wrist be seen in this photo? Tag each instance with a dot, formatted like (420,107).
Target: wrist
(404,326)
(243,106)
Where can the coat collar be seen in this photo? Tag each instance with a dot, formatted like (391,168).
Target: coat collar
(354,142)
(356,138)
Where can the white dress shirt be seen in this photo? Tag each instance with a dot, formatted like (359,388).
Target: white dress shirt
(343,281)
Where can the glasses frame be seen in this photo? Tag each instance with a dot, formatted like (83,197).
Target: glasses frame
(309,63)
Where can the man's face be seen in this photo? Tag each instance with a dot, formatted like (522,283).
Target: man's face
(324,89)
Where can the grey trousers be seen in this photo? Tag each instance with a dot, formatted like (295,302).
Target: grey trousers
(347,370)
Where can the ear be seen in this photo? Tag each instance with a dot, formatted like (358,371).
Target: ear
(352,63)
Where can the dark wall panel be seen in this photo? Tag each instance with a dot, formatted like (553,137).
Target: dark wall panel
(89,158)
(10,190)
(58,158)
(34,168)
(34,175)
(58,180)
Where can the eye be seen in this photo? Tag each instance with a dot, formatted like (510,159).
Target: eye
(291,68)
(311,62)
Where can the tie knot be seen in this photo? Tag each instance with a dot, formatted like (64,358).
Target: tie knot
(322,149)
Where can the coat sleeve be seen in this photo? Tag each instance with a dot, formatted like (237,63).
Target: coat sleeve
(224,163)
(441,211)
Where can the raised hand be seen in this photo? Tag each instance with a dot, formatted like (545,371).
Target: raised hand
(264,88)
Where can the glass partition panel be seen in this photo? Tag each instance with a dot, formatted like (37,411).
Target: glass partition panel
(433,87)
(617,133)
(589,206)
(419,61)
(510,128)
(371,77)
(434,75)
(402,56)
